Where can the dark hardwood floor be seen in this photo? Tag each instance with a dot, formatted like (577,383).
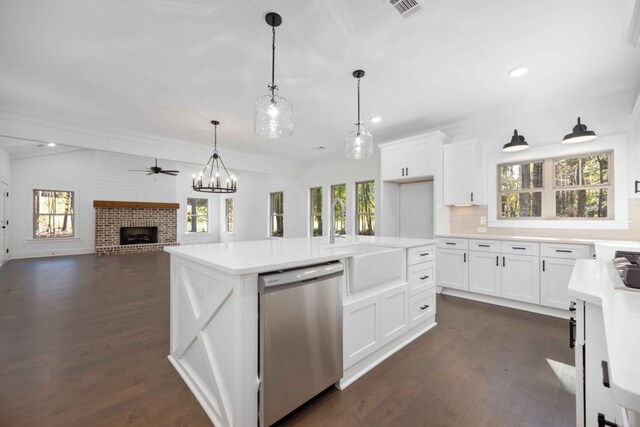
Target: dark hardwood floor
(84,339)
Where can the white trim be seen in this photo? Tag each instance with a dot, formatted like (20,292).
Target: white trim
(53,240)
(52,253)
(631,32)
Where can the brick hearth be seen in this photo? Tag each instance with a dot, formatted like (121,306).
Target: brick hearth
(110,216)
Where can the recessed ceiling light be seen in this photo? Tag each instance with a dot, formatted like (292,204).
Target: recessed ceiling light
(518,71)
(51,144)
(376,119)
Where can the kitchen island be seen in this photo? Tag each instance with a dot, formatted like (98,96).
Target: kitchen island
(388,298)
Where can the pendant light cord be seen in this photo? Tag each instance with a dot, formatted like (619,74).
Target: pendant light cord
(215,138)
(273,62)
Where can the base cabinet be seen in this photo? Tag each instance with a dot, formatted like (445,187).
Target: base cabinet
(554,278)
(521,278)
(453,271)
(394,319)
(485,273)
(361,329)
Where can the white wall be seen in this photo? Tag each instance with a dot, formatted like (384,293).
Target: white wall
(72,171)
(4,166)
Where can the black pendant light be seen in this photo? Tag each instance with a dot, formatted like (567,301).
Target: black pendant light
(579,134)
(210,181)
(517,143)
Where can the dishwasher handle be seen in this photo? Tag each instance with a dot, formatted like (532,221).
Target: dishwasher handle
(306,274)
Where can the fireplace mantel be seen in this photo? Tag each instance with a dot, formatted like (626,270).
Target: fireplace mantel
(134,205)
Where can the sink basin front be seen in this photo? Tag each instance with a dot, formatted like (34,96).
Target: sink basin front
(374,265)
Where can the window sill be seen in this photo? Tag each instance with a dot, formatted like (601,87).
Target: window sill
(53,239)
(196,233)
(616,224)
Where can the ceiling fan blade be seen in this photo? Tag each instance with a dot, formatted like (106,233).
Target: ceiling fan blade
(150,173)
(138,170)
(170,171)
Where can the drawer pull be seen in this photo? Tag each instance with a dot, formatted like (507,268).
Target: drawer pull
(605,374)
(544,265)
(497,258)
(564,251)
(484,246)
(424,277)
(603,422)
(424,254)
(519,248)
(572,333)
(451,243)
(424,307)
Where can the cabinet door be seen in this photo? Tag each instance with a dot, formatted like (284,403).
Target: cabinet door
(554,282)
(392,162)
(394,317)
(485,273)
(418,160)
(452,267)
(361,329)
(521,278)
(422,307)
(458,162)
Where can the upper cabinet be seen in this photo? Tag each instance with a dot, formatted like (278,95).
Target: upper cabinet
(463,173)
(411,158)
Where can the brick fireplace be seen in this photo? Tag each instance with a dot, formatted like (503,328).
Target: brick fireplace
(134,227)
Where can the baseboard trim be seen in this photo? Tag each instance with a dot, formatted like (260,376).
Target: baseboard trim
(353,373)
(51,253)
(518,305)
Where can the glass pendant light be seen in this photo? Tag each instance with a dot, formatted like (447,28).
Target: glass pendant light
(579,134)
(209,180)
(517,143)
(358,144)
(273,112)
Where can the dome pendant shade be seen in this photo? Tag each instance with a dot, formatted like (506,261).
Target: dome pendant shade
(358,144)
(579,134)
(273,113)
(517,143)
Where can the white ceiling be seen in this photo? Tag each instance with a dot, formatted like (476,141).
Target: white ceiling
(165,68)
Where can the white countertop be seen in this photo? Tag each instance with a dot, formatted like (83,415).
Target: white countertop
(260,256)
(542,239)
(594,281)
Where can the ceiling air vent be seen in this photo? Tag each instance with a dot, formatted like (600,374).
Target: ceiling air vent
(405,7)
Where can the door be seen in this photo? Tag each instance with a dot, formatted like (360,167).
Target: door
(554,282)
(416,210)
(417,160)
(394,317)
(392,163)
(452,268)
(521,278)
(4,231)
(485,274)
(361,329)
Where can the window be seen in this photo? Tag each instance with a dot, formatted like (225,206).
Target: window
(53,213)
(276,207)
(316,211)
(228,215)
(365,208)
(339,191)
(561,188)
(197,215)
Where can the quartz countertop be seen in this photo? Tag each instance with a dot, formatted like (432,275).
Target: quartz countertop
(259,256)
(597,282)
(542,239)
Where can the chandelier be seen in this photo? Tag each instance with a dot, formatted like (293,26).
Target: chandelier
(209,181)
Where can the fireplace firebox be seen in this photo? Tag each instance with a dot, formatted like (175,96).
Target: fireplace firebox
(138,235)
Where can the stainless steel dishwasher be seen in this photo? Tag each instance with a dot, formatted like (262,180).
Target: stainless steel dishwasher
(300,337)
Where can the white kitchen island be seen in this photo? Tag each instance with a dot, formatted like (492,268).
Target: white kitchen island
(388,301)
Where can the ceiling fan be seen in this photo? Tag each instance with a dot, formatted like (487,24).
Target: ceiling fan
(156,170)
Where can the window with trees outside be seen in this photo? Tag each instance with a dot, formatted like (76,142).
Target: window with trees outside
(276,208)
(316,211)
(53,214)
(339,191)
(197,215)
(578,186)
(228,215)
(365,208)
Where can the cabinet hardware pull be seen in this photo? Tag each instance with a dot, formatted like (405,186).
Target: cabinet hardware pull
(503,262)
(407,168)
(605,374)
(572,333)
(603,422)
(424,277)
(402,171)
(472,196)
(544,265)
(572,306)
(424,254)
(484,246)
(424,307)
(563,251)
(636,185)
(451,243)
(519,248)
(497,261)
(465,257)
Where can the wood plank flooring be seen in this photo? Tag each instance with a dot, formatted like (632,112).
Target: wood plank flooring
(84,340)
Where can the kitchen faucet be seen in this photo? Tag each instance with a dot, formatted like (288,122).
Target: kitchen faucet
(332,220)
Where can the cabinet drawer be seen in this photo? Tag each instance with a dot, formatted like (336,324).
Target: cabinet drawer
(420,254)
(446,243)
(421,307)
(559,250)
(520,248)
(485,245)
(420,277)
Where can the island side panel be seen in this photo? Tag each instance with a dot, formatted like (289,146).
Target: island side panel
(212,336)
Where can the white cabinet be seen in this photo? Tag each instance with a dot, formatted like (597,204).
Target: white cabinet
(521,278)
(452,267)
(422,307)
(361,329)
(485,273)
(462,174)
(407,160)
(392,162)
(554,282)
(394,319)
(421,277)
